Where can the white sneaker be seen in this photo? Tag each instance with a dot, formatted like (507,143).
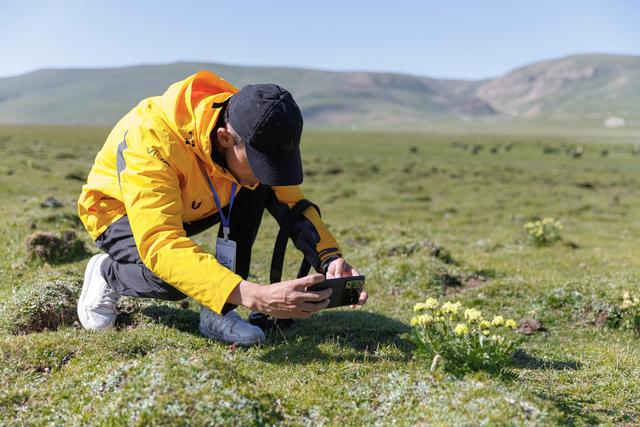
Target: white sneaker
(229,328)
(97,303)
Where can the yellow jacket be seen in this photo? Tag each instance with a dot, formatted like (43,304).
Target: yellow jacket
(165,145)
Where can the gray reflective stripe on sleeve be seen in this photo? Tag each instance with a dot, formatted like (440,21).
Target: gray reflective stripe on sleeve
(120,163)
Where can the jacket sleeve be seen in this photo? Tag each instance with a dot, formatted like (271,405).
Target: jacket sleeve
(151,194)
(309,234)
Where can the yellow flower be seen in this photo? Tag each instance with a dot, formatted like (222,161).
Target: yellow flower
(548,221)
(419,307)
(497,321)
(511,324)
(449,308)
(473,315)
(629,300)
(461,329)
(496,338)
(485,324)
(485,332)
(422,320)
(431,303)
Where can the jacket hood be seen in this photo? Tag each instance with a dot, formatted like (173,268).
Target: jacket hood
(192,107)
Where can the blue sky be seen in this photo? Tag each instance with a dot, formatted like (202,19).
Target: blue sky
(455,39)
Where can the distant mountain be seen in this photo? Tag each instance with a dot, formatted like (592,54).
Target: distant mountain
(572,87)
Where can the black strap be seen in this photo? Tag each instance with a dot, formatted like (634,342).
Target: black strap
(280,247)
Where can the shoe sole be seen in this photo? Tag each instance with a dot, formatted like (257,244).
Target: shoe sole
(221,338)
(85,285)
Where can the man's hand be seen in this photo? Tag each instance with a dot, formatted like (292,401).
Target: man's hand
(340,268)
(283,300)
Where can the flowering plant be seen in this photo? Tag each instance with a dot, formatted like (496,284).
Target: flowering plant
(463,337)
(543,232)
(626,315)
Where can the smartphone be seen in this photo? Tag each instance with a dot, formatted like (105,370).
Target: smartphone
(346,290)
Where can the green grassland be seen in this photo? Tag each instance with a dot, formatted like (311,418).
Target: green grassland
(389,198)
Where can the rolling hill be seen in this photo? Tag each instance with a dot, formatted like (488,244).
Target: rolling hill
(575,87)
(572,87)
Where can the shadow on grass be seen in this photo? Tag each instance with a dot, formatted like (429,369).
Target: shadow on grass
(360,335)
(581,411)
(523,360)
(173,317)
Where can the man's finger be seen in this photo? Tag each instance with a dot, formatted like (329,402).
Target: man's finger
(355,272)
(363,298)
(305,282)
(314,295)
(338,266)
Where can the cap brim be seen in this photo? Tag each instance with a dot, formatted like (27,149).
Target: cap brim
(275,171)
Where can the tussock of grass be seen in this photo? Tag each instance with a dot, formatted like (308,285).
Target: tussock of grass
(55,247)
(432,248)
(40,306)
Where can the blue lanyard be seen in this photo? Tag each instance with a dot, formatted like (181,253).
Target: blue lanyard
(225,221)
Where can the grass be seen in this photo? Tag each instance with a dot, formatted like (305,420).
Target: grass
(390,199)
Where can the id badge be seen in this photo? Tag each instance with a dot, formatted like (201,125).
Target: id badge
(226,253)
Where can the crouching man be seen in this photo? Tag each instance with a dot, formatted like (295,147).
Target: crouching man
(202,154)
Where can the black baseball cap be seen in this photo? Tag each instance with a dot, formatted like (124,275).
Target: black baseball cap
(269,121)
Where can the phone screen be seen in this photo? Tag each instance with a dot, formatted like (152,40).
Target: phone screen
(352,289)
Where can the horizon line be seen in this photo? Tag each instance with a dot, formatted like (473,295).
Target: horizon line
(307,68)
